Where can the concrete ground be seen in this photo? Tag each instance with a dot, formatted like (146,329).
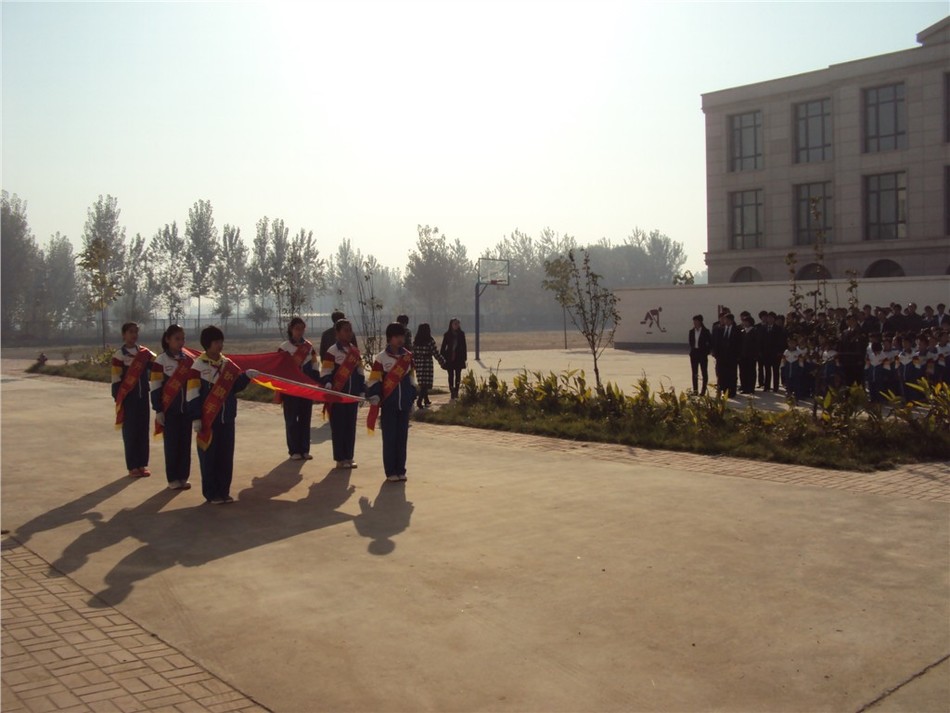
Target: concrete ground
(509,573)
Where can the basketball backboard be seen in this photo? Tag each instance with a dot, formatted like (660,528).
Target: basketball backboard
(492,272)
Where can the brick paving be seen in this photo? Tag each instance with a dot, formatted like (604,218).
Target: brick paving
(921,481)
(61,654)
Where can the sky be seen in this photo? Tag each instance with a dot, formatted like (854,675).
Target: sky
(362,120)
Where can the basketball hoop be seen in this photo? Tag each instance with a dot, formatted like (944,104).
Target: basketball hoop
(491,273)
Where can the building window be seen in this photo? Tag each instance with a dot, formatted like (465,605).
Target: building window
(747,219)
(813,271)
(884,268)
(745,142)
(813,131)
(885,199)
(814,213)
(946,107)
(746,274)
(946,200)
(885,119)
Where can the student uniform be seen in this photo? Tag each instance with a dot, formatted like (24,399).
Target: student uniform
(135,406)
(178,422)
(342,416)
(394,410)
(217,461)
(298,412)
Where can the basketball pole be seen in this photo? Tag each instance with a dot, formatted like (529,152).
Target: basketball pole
(480,287)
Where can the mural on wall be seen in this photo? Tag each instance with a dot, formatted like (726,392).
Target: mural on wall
(652,320)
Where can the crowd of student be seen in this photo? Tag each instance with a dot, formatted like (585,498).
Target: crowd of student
(198,395)
(885,349)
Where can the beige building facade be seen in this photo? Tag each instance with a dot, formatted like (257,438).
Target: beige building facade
(852,161)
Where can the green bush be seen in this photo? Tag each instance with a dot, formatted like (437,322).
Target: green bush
(844,430)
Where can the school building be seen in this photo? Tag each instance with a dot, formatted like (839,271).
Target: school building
(855,157)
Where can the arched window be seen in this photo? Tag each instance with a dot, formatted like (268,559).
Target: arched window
(813,271)
(746,274)
(884,268)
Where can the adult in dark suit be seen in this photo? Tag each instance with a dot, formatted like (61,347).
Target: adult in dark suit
(760,361)
(328,338)
(748,355)
(773,345)
(727,356)
(699,344)
(941,318)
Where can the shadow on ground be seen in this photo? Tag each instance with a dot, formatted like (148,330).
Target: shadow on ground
(192,537)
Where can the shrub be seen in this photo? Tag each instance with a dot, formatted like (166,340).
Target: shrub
(844,431)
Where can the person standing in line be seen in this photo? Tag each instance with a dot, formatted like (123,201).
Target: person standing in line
(455,354)
(391,391)
(131,373)
(298,411)
(328,338)
(748,349)
(728,360)
(342,371)
(699,339)
(403,319)
(173,375)
(760,361)
(213,408)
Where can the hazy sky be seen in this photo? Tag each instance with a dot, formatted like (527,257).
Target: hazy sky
(363,119)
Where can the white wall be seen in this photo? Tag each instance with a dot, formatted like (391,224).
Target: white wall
(678,304)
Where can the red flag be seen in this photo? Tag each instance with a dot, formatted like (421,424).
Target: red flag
(280,372)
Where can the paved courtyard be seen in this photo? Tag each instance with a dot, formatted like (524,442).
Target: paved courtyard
(510,573)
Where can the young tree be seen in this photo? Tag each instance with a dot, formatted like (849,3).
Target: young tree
(275,267)
(136,282)
(202,237)
(304,273)
(102,259)
(258,273)
(430,270)
(592,307)
(230,273)
(17,249)
(60,281)
(168,267)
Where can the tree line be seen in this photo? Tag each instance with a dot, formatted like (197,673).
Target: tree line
(49,290)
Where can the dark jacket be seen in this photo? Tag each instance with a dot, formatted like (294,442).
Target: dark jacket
(705,338)
(454,350)
(327,340)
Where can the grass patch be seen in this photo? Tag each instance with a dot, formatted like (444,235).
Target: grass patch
(844,433)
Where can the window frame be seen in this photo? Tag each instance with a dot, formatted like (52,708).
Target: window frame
(803,153)
(810,231)
(736,128)
(874,110)
(873,199)
(740,240)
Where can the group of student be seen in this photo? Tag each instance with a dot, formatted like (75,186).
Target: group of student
(199,396)
(887,350)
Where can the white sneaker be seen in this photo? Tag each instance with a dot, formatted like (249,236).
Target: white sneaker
(392,478)
(174,485)
(296,456)
(351,464)
(306,456)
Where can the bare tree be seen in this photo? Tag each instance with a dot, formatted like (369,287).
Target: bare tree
(592,308)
